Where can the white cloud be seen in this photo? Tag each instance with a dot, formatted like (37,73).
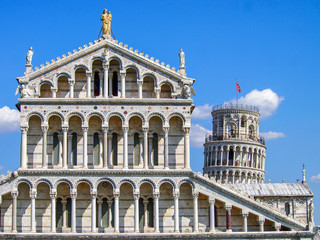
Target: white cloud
(315,178)
(197,135)
(266,100)
(202,112)
(9,119)
(1,167)
(272,135)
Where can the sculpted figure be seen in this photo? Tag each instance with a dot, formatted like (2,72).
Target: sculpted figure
(311,212)
(187,91)
(106,22)
(29,56)
(182,59)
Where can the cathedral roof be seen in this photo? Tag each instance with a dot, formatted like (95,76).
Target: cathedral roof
(273,189)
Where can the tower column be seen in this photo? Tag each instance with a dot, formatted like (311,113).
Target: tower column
(64,151)
(145,148)
(136,212)
(88,84)
(166,147)
(261,223)
(105,147)
(186,148)
(125,147)
(53,196)
(245,215)
(228,217)
(140,82)
(33,195)
(176,196)
(73,195)
(195,212)
(14,195)
(116,212)
(212,217)
(93,210)
(23,157)
(156,197)
(85,147)
(123,83)
(105,79)
(44,146)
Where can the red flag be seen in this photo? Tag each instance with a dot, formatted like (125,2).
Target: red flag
(238,87)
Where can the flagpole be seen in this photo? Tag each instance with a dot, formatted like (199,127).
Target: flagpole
(237,93)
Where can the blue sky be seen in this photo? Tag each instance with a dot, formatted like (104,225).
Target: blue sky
(264,44)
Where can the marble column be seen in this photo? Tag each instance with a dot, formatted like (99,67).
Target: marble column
(150,137)
(73,195)
(14,196)
(85,146)
(157,90)
(123,83)
(166,147)
(101,137)
(145,210)
(54,92)
(64,214)
(33,195)
(93,211)
(60,137)
(105,147)
(125,147)
(23,157)
(69,150)
(186,147)
(176,196)
(116,212)
(89,74)
(71,86)
(53,196)
(195,212)
(228,218)
(261,223)
(156,197)
(245,215)
(65,151)
(136,212)
(99,202)
(109,213)
(145,148)
(105,79)
(101,84)
(139,82)
(212,213)
(277,226)
(44,146)
(109,150)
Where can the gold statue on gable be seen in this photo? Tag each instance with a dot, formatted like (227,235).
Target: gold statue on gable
(106,22)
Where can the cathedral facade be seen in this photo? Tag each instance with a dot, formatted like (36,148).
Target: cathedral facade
(105,152)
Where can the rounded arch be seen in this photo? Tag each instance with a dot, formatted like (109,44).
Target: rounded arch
(160,115)
(23,180)
(54,113)
(46,81)
(43,180)
(120,115)
(138,114)
(83,180)
(80,115)
(133,66)
(186,181)
(116,59)
(152,75)
(167,180)
(35,113)
(168,83)
(98,114)
(63,180)
(132,183)
(177,114)
(76,67)
(105,179)
(60,74)
(147,180)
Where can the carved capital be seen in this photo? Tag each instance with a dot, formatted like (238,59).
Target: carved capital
(139,82)
(228,207)
(166,129)
(88,74)
(14,194)
(156,195)
(53,194)
(71,82)
(176,195)
(33,193)
(116,194)
(136,196)
(186,130)
(261,219)
(195,195)
(125,129)
(105,129)
(212,201)
(145,129)
(44,128)
(73,193)
(85,129)
(64,129)
(245,213)
(24,129)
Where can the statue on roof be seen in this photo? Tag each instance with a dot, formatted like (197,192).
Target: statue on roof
(29,56)
(182,59)
(106,22)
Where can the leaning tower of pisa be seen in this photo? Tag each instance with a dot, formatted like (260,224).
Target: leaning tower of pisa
(234,152)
